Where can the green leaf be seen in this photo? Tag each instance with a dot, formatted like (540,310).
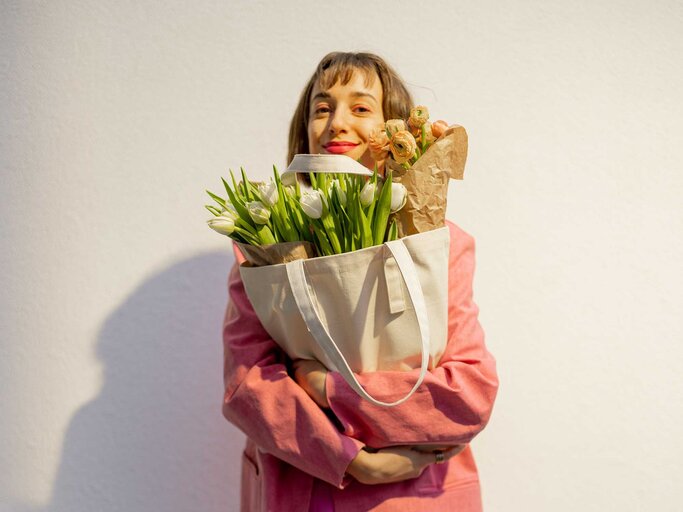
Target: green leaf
(234,181)
(245,184)
(393,231)
(213,209)
(219,200)
(240,208)
(246,225)
(247,237)
(382,211)
(323,243)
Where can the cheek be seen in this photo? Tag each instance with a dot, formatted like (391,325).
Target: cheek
(313,136)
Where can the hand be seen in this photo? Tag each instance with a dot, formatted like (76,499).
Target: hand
(311,375)
(394,464)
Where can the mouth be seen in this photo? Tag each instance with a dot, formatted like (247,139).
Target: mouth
(339,147)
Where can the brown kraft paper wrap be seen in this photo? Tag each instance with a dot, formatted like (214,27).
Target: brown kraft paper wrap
(427,182)
(261,255)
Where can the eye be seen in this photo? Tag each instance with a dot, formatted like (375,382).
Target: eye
(361,109)
(322,109)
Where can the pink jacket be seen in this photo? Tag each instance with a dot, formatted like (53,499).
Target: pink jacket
(293,444)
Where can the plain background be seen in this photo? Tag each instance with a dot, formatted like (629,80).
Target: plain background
(114,118)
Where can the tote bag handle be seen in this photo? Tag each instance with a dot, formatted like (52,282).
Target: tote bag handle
(297,280)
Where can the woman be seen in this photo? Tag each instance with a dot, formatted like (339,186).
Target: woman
(313,444)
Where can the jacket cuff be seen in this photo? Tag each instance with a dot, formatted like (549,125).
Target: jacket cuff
(351,448)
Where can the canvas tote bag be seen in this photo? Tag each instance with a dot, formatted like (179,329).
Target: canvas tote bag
(380,308)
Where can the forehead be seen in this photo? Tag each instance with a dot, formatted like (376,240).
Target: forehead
(351,79)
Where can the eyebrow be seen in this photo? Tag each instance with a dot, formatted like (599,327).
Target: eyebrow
(355,94)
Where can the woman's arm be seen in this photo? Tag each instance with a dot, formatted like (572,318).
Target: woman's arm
(454,402)
(267,405)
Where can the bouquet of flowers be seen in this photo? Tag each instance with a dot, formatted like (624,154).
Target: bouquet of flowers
(424,157)
(339,213)
(346,212)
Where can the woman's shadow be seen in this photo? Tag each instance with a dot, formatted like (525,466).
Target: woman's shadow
(154,439)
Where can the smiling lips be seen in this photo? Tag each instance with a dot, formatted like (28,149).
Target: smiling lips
(338,148)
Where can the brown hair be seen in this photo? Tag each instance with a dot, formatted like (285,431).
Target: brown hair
(339,67)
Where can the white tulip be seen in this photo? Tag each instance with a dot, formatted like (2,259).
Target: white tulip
(313,203)
(268,193)
(222,224)
(368,194)
(399,195)
(258,212)
(342,195)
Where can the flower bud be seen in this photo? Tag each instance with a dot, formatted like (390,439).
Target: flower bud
(268,193)
(429,134)
(418,116)
(312,203)
(399,195)
(403,146)
(438,127)
(368,194)
(258,212)
(222,224)
(334,185)
(395,125)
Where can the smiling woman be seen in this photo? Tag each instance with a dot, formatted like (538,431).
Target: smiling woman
(312,445)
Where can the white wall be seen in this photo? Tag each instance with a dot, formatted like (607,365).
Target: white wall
(115,116)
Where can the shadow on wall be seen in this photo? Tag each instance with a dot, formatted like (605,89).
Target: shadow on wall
(154,439)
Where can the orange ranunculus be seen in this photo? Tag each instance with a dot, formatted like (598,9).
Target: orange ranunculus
(378,144)
(418,116)
(395,125)
(403,146)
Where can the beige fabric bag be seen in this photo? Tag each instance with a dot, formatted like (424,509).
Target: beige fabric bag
(380,308)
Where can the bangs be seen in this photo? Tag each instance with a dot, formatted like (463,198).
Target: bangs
(340,69)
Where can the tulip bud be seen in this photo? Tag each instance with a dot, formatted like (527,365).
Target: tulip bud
(341,194)
(258,212)
(313,203)
(399,195)
(268,193)
(368,194)
(222,224)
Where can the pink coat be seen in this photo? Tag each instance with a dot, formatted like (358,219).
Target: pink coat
(293,447)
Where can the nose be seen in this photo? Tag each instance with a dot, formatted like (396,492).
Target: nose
(339,122)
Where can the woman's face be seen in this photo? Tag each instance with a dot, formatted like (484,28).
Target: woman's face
(341,118)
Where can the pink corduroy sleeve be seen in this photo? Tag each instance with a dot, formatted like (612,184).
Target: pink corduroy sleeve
(455,400)
(268,406)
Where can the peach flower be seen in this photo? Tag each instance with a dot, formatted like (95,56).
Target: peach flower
(418,116)
(378,143)
(403,146)
(395,125)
